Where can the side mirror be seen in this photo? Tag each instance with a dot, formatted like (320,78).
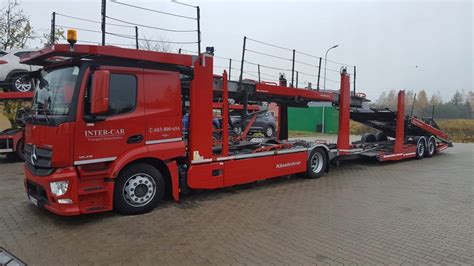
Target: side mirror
(20,116)
(100,92)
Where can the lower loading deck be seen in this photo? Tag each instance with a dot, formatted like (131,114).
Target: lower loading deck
(255,161)
(384,150)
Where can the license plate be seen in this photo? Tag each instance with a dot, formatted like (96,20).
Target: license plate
(33,200)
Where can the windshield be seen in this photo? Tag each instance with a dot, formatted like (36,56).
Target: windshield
(54,91)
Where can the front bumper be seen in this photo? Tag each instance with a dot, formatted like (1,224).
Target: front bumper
(39,192)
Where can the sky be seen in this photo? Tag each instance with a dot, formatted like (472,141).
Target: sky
(410,45)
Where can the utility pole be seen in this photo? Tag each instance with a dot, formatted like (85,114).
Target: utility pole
(53,28)
(103,12)
(199,28)
(136,37)
(325,68)
(293,69)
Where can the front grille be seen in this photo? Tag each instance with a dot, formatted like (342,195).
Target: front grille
(38,160)
(37,191)
(38,157)
(6,144)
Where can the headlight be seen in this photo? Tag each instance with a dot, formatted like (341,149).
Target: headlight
(59,188)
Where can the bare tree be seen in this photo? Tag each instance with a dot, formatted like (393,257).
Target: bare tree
(160,44)
(58,35)
(15,27)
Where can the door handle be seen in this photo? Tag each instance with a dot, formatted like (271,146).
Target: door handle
(135,139)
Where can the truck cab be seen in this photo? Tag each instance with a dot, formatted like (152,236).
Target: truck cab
(88,120)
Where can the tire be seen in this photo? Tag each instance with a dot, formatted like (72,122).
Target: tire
(237,130)
(420,148)
(232,136)
(368,137)
(20,83)
(317,162)
(216,136)
(145,179)
(269,132)
(20,151)
(431,149)
(380,137)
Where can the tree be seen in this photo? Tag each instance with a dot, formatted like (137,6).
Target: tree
(159,45)
(10,108)
(457,98)
(409,96)
(58,35)
(436,99)
(15,27)
(422,99)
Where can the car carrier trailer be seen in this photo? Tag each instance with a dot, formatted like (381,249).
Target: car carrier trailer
(88,157)
(11,139)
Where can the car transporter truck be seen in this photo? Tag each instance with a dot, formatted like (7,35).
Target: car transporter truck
(105,130)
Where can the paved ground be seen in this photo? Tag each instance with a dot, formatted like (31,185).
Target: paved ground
(407,212)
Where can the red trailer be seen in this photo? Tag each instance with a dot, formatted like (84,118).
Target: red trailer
(115,140)
(11,139)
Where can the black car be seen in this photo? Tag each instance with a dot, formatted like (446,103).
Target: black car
(265,123)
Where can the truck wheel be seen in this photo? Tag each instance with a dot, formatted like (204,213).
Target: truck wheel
(368,137)
(420,148)
(21,83)
(431,149)
(20,151)
(269,132)
(138,189)
(317,162)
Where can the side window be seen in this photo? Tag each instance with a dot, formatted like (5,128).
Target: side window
(122,94)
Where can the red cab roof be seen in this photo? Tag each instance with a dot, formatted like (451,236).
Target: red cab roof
(63,52)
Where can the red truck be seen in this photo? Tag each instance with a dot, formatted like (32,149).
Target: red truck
(105,130)
(11,139)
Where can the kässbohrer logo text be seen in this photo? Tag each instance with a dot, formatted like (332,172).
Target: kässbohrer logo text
(289,164)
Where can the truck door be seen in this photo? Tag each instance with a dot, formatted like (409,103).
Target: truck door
(122,128)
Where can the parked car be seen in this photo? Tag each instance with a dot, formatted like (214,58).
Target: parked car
(215,125)
(12,72)
(11,139)
(265,123)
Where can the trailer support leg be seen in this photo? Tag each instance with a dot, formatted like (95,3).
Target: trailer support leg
(283,122)
(343,144)
(400,124)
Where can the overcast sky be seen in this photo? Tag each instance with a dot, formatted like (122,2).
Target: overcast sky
(410,45)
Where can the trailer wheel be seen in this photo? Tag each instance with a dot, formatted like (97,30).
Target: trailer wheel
(317,162)
(138,189)
(368,137)
(420,148)
(431,149)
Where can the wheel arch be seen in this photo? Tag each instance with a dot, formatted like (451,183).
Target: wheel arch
(15,72)
(160,165)
(327,152)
